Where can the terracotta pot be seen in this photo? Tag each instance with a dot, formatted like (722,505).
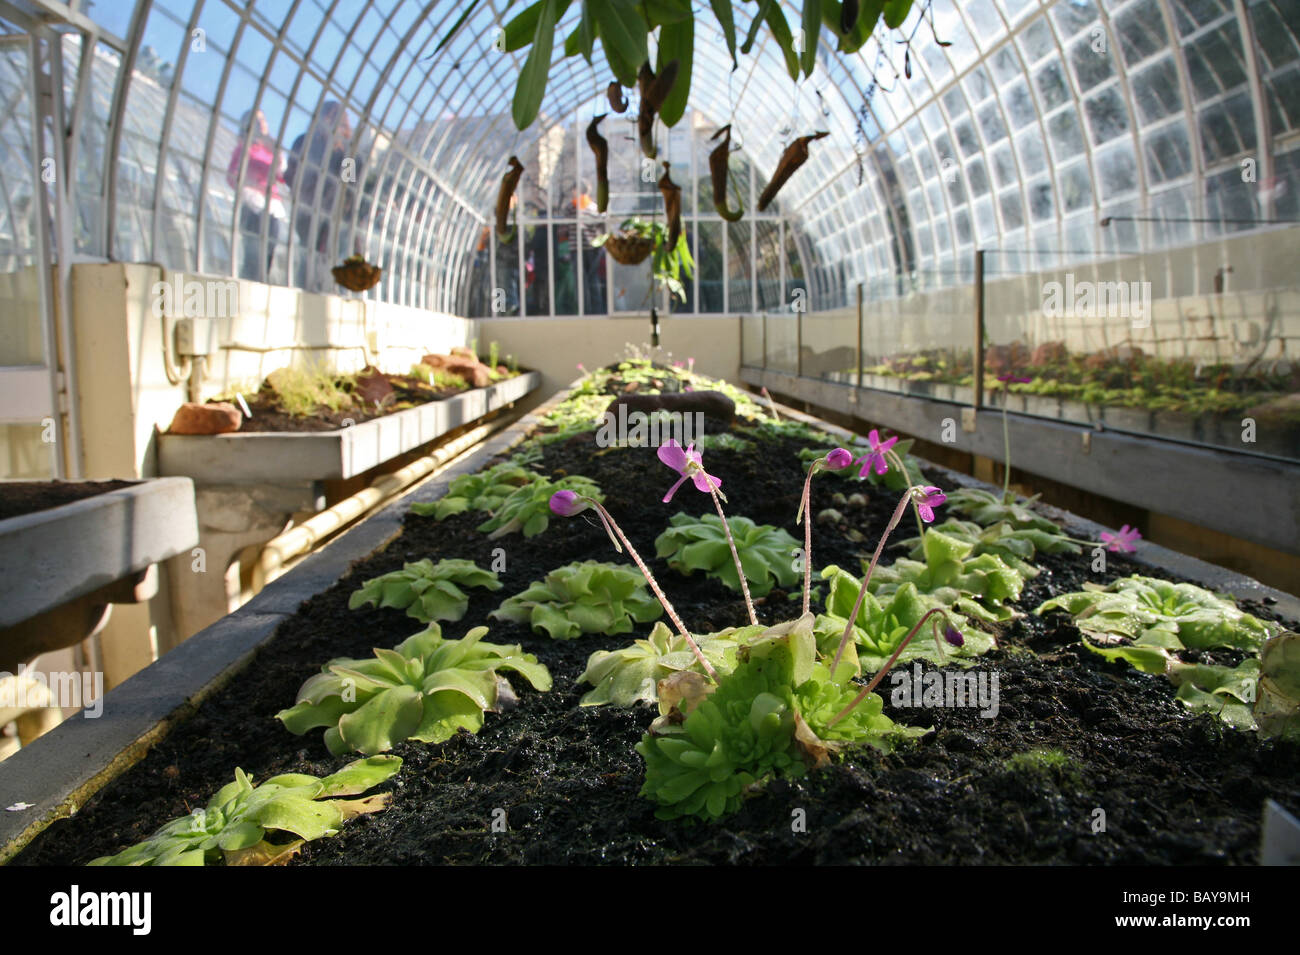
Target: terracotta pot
(357,276)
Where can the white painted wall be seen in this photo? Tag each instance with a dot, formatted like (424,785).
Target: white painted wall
(124,395)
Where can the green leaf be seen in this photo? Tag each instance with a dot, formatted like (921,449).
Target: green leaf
(726,20)
(522,29)
(676,42)
(623,35)
(759,15)
(663,12)
(444,714)
(388,718)
(359,775)
(532,78)
(307,818)
(1147,659)
(895,12)
(812,24)
(784,38)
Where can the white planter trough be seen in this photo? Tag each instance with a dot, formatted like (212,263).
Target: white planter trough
(324,455)
(64,565)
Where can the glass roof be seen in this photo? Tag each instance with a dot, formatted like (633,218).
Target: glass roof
(1037,122)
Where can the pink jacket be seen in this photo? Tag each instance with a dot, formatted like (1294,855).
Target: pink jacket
(261,159)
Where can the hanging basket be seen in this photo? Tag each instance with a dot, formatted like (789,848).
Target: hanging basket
(629,248)
(357,275)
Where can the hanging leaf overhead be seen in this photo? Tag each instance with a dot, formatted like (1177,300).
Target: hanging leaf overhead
(676,45)
(795,155)
(600,148)
(622,29)
(509,182)
(718,173)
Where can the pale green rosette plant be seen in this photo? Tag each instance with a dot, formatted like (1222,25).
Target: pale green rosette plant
(882,624)
(1146,622)
(780,712)
(1159,615)
(976,586)
(584,597)
(1277,699)
(1015,546)
(426,688)
(426,591)
(528,509)
(484,491)
(631,674)
(986,508)
(234,825)
(700,543)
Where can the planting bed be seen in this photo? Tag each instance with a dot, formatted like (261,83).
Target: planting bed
(1176,788)
(27,497)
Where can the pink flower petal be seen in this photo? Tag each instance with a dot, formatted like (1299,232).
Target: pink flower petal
(671,454)
(673,490)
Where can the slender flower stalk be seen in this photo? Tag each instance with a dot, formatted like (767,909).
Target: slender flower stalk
(926,499)
(950,633)
(833,461)
(566,504)
(740,570)
(862,592)
(771,404)
(689,463)
(1006,436)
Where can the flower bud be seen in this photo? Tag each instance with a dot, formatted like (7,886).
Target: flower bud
(838,459)
(567,503)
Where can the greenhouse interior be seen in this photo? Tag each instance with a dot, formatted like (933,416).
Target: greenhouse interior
(420,418)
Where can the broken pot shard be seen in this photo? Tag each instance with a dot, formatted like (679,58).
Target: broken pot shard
(795,155)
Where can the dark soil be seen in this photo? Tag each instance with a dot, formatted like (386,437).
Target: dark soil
(1175,788)
(28,497)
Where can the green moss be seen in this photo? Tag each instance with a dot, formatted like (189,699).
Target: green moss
(1039,761)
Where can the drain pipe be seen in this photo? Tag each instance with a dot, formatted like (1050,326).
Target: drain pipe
(303,537)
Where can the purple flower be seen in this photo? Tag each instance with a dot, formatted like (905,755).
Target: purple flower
(838,459)
(567,503)
(953,636)
(1122,543)
(927,499)
(876,456)
(1007,379)
(689,463)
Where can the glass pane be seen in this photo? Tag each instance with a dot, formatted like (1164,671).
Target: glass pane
(566,269)
(710,267)
(740,295)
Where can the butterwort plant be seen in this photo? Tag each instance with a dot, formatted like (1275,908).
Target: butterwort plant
(783,707)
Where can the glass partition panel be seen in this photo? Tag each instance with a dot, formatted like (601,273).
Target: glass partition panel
(782,342)
(1191,344)
(921,343)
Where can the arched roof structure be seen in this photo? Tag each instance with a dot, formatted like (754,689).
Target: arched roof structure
(1169,120)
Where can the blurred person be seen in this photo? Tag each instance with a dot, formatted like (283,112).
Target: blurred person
(325,154)
(265,167)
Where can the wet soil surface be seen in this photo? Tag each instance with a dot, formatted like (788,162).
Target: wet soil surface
(28,497)
(1174,788)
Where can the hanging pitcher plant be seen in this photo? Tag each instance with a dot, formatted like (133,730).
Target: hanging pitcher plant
(622,29)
